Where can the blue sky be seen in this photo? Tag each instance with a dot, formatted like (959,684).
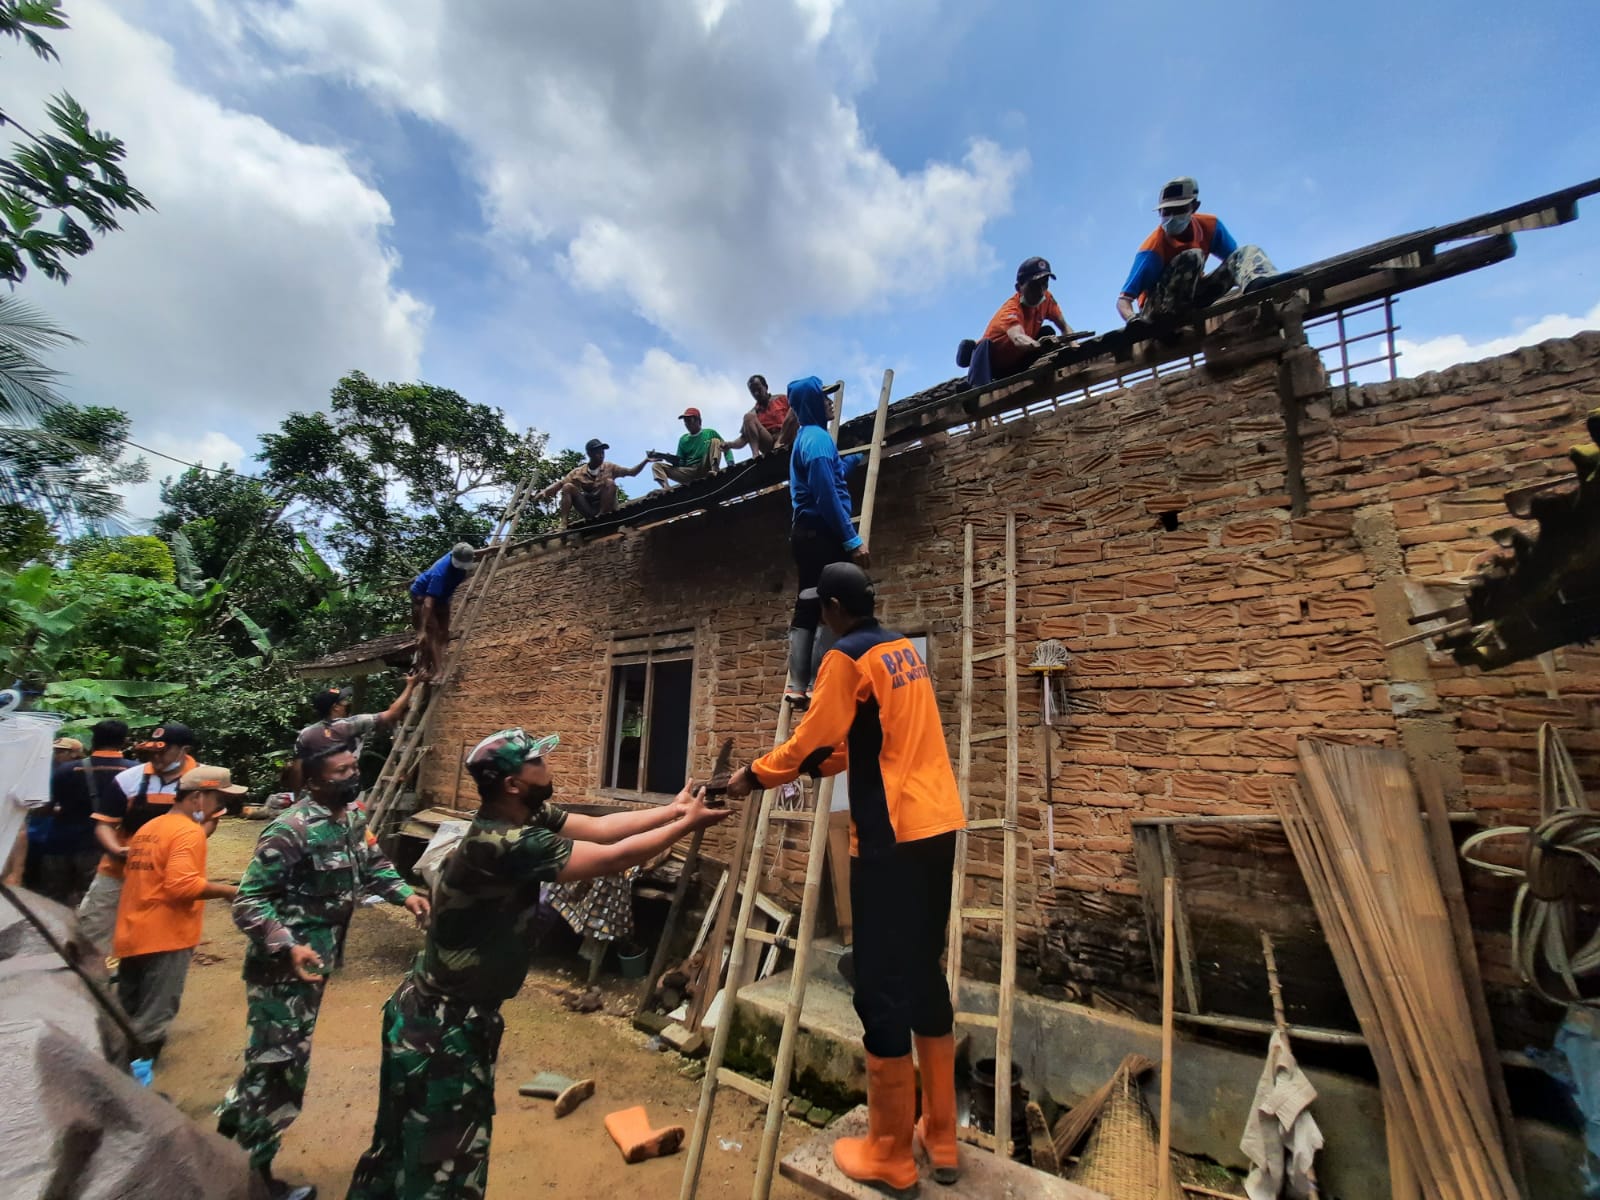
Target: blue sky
(593,215)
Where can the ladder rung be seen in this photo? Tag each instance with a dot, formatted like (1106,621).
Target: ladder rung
(974,1136)
(986,655)
(743,1083)
(982,1020)
(986,823)
(983,914)
(782,940)
(790,814)
(989,736)
(864,449)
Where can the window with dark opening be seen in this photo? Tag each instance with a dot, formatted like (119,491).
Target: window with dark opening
(647,728)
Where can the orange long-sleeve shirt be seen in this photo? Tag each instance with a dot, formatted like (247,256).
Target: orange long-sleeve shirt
(873,710)
(161,907)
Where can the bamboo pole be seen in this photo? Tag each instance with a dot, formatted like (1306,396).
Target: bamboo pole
(1168,904)
(963,774)
(1008,924)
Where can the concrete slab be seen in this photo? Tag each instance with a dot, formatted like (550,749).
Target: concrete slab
(982,1174)
(1068,1050)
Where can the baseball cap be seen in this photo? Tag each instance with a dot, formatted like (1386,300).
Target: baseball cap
(502,754)
(322,702)
(72,744)
(594,444)
(1034,268)
(173,733)
(322,739)
(461,554)
(211,779)
(1178,193)
(846,583)
(689,412)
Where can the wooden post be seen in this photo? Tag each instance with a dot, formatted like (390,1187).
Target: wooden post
(952,962)
(1168,904)
(869,495)
(1008,923)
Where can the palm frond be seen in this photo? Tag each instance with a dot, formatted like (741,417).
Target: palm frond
(27,385)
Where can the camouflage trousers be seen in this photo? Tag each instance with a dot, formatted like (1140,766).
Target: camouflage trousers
(277,1060)
(1184,286)
(435,1100)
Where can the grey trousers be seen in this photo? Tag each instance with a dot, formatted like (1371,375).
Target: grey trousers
(97,914)
(150,988)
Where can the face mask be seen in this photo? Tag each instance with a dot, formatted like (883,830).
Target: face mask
(539,794)
(199,817)
(345,791)
(1176,224)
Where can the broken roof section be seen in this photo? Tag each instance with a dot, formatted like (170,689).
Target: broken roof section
(1385,268)
(390,650)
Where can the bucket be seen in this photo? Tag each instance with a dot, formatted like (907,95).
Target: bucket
(633,962)
(983,1072)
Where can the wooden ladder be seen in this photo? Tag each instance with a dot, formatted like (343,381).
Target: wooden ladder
(411,735)
(960,912)
(776,1093)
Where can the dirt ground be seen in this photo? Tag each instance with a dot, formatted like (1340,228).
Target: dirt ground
(532,1154)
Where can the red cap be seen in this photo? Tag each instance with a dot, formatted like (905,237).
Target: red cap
(689,412)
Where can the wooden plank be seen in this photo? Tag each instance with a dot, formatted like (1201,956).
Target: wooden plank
(983,1175)
(1147,863)
(839,872)
(1169,902)
(1448,864)
(753,1088)
(1169,867)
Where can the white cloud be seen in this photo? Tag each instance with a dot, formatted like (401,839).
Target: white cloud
(694,159)
(1435,354)
(261,278)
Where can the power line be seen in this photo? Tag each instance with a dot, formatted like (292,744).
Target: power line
(183,463)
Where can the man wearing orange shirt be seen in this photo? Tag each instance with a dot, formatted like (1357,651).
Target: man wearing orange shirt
(159,917)
(1168,277)
(136,795)
(873,710)
(768,427)
(1015,331)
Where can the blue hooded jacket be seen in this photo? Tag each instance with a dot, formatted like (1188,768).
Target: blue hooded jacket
(816,473)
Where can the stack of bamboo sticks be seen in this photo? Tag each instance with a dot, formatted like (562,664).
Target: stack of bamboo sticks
(1357,831)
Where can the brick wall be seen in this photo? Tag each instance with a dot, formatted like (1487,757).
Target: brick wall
(1201,653)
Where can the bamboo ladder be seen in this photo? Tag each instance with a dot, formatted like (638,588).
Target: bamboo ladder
(775,1094)
(410,736)
(1002,1020)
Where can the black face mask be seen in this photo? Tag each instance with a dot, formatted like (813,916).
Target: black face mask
(346,791)
(539,794)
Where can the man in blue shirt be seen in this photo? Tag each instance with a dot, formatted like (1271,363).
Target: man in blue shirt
(430,606)
(1169,271)
(822,531)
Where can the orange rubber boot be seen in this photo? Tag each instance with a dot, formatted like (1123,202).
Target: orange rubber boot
(884,1156)
(936,1128)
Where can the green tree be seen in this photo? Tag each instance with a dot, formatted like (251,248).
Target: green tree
(141,555)
(68,465)
(70,172)
(396,472)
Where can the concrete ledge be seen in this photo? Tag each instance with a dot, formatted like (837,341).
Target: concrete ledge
(1068,1051)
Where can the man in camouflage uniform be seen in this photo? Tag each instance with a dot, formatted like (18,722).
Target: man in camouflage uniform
(295,901)
(441,1028)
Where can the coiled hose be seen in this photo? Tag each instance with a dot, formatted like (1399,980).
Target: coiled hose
(1549,913)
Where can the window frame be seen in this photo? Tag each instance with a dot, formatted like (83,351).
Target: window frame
(626,650)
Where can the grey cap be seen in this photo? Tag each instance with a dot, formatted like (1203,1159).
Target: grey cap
(1178,193)
(461,554)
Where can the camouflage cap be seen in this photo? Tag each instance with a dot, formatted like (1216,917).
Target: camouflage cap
(502,754)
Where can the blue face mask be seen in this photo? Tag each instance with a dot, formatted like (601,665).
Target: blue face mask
(1176,224)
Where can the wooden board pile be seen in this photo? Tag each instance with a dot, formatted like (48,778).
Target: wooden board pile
(1357,830)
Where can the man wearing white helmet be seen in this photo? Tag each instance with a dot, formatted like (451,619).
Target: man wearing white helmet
(1169,271)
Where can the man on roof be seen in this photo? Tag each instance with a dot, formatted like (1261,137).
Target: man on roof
(1169,271)
(590,487)
(431,592)
(700,451)
(769,427)
(1017,334)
